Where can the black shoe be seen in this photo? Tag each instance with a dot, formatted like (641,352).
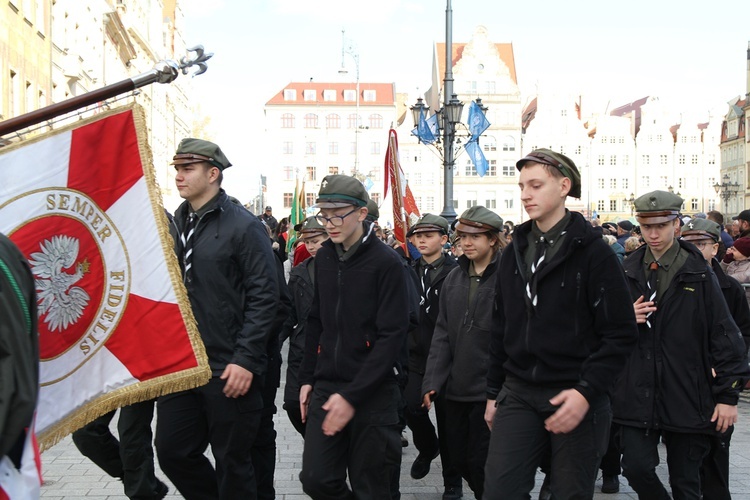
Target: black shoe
(421,466)
(453,493)
(404,441)
(610,484)
(546,492)
(161,491)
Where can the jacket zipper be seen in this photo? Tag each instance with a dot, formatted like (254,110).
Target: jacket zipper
(336,348)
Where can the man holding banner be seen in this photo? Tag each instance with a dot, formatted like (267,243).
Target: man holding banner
(229,271)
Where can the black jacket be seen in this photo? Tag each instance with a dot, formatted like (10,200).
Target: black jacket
(736,299)
(19,349)
(421,337)
(457,363)
(583,327)
(357,325)
(667,382)
(233,291)
(301,293)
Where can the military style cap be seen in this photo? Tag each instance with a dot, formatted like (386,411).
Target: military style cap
(657,207)
(428,223)
(309,227)
(560,162)
(197,150)
(479,220)
(701,229)
(744,215)
(338,191)
(373,213)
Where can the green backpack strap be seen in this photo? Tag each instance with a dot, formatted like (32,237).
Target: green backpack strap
(19,295)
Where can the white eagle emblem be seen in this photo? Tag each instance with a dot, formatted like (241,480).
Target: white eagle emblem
(57,296)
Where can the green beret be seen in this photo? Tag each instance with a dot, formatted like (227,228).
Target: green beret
(479,220)
(427,223)
(657,207)
(197,150)
(338,191)
(701,229)
(373,213)
(561,162)
(309,227)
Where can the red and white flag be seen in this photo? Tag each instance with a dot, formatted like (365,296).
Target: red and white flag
(115,325)
(405,210)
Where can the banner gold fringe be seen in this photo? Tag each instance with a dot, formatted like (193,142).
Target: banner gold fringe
(159,386)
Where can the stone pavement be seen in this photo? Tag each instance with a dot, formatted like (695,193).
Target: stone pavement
(70,476)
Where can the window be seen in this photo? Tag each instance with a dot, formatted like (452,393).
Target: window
(600,205)
(613,183)
(694,204)
(310,148)
(287,147)
(333,121)
(290,95)
(509,170)
(471,200)
(646,159)
(310,199)
(311,120)
(333,170)
(600,183)
(287,120)
(626,159)
(564,112)
(681,183)
(309,94)
(490,145)
(613,160)
(600,160)
(624,183)
(490,201)
(329,95)
(604,139)
(369,95)
(375,148)
(612,205)
(470,170)
(509,143)
(645,181)
(376,121)
(311,173)
(288,173)
(376,197)
(429,203)
(662,159)
(711,205)
(712,159)
(350,95)
(693,159)
(351,121)
(663,182)
(508,203)
(578,150)
(288,197)
(492,168)
(681,159)
(612,140)
(659,137)
(333,148)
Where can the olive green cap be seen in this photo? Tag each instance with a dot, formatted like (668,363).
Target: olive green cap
(197,150)
(558,160)
(373,213)
(701,229)
(657,207)
(338,191)
(428,223)
(309,227)
(479,220)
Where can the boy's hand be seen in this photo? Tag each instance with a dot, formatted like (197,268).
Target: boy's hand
(642,309)
(725,416)
(238,380)
(340,412)
(573,407)
(427,400)
(489,412)
(305,393)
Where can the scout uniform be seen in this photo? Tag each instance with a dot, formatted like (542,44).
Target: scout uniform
(667,389)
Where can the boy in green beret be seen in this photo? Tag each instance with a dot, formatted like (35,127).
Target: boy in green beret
(563,329)
(681,385)
(355,333)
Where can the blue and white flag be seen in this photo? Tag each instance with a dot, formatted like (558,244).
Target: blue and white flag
(477,157)
(424,131)
(478,123)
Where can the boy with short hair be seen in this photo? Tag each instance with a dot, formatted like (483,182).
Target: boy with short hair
(563,329)
(356,330)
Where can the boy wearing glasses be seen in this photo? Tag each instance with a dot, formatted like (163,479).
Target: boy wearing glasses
(355,331)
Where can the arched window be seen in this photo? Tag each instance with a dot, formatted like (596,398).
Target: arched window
(376,121)
(287,120)
(509,143)
(333,121)
(311,120)
(351,121)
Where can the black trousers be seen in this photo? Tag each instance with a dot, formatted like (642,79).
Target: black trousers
(191,420)
(132,457)
(640,456)
(519,441)
(715,468)
(468,440)
(423,432)
(367,448)
(264,448)
(295,416)
(610,465)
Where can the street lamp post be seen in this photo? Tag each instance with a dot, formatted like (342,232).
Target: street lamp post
(726,189)
(350,50)
(631,201)
(448,118)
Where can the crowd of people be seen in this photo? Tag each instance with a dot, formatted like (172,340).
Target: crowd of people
(560,343)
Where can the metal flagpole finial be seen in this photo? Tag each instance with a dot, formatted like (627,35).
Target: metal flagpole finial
(200,60)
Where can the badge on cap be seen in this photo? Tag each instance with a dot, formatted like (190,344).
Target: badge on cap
(324,184)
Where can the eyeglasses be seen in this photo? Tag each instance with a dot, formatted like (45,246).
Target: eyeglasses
(336,220)
(702,244)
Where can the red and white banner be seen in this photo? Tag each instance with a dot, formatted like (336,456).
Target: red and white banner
(22,483)
(405,210)
(115,325)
